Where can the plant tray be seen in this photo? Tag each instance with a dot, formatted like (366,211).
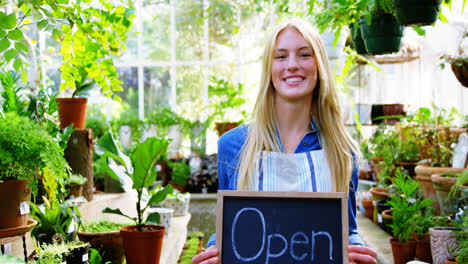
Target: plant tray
(16,231)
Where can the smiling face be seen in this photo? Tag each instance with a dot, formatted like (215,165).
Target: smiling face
(294,71)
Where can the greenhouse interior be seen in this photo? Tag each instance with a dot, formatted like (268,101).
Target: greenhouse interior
(233,131)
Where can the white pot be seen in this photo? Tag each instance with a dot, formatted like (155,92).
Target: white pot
(125,136)
(180,206)
(166,217)
(148,132)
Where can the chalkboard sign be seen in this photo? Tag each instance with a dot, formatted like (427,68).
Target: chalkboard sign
(282,227)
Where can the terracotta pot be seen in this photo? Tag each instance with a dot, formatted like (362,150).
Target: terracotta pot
(142,247)
(387,220)
(110,244)
(451,261)
(225,127)
(12,195)
(441,239)
(379,194)
(403,251)
(423,248)
(365,175)
(368,208)
(408,166)
(424,177)
(75,190)
(442,186)
(393,110)
(180,188)
(72,110)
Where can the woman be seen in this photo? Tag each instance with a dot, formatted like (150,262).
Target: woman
(296,124)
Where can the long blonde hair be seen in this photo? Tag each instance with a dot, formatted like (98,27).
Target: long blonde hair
(262,136)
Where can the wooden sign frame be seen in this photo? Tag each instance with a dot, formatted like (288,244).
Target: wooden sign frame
(343,197)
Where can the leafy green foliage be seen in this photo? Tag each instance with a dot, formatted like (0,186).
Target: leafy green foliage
(225,97)
(75,179)
(461,251)
(89,34)
(101,226)
(406,204)
(53,218)
(180,171)
(61,249)
(26,149)
(95,257)
(6,259)
(141,172)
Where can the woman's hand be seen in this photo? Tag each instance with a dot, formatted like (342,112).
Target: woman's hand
(209,256)
(360,254)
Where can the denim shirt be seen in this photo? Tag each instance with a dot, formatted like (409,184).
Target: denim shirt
(229,148)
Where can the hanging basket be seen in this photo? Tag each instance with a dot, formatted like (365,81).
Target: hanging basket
(383,35)
(358,42)
(416,12)
(461,72)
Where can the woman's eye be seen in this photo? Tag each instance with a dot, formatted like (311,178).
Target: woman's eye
(280,57)
(306,55)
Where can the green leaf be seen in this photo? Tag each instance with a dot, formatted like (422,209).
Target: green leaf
(153,219)
(21,47)
(161,195)
(420,31)
(108,210)
(7,22)
(4,44)
(57,35)
(2,33)
(42,24)
(143,159)
(10,54)
(17,65)
(24,76)
(15,34)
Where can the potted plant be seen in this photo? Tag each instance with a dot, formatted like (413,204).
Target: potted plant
(461,249)
(446,191)
(143,241)
(226,100)
(423,222)
(459,62)
(179,171)
(417,12)
(405,208)
(28,152)
(380,29)
(104,236)
(205,179)
(74,252)
(75,182)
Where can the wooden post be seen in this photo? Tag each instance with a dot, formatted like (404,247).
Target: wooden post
(79,154)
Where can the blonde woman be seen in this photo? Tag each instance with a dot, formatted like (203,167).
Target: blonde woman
(296,124)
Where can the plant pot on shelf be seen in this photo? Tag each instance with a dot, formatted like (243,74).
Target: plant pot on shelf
(76,255)
(424,177)
(143,247)
(387,220)
(442,238)
(461,72)
(423,247)
(368,208)
(416,12)
(403,251)
(408,166)
(383,35)
(14,205)
(72,110)
(76,190)
(109,243)
(393,110)
(225,127)
(442,186)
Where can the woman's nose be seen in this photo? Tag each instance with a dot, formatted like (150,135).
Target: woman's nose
(292,63)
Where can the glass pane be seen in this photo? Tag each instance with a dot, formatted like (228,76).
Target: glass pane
(223,26)
(190,90)
(130,54)
(156,30)
(157,87)
(129,77)
(189,26)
